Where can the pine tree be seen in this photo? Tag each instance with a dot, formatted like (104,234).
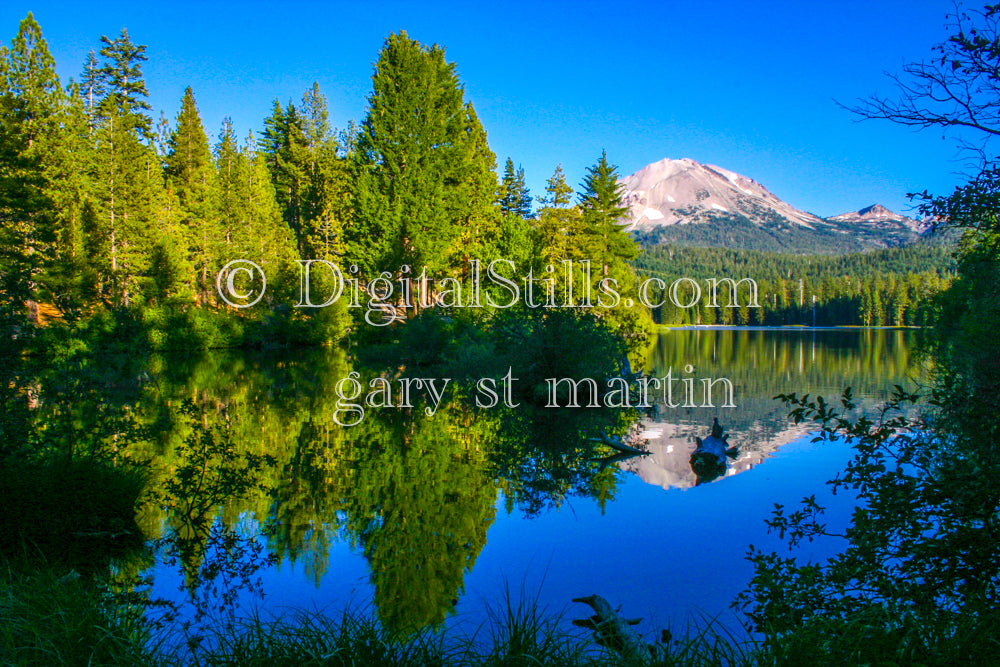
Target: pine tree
(514,195)
(558,224)
(227,181)
(285,147)
(121,76)
(91,86)
(523,195)
(31,103)
(188,163)
(126,174)
(190,172)
(603,238)
(558,193)
(424,173)
(475,213)
(262,233)
(71,281)
(326,201)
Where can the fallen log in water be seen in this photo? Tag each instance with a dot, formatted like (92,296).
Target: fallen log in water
(617,444)
(613,631)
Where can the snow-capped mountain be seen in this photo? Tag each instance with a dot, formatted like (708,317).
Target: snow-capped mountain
(672,192)
(684,201)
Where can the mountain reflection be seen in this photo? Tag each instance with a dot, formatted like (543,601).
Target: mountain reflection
(762,364)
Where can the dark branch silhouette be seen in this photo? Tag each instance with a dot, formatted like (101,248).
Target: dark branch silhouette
(956,89)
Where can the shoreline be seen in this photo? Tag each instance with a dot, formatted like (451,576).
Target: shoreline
(783,327)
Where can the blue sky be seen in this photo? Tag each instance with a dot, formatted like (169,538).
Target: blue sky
(750,86)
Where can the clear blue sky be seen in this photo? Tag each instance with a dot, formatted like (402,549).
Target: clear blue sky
(750,86)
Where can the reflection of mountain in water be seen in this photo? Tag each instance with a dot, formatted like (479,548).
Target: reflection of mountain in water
(671,446)
(762,364)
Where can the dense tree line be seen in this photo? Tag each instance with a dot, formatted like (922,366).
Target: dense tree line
(889,287)
(102,212)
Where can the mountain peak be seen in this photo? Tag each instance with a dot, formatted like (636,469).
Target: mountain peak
(875,210)
(876,213)
(880,217)
(685,201)
(681,191)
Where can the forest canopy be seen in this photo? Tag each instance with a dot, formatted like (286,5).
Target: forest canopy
(104,211)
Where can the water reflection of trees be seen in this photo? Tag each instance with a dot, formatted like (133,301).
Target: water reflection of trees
(762,364)
(245,453)
(233,436)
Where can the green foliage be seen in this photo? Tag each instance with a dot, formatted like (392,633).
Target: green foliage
(30,102)
(311,639)
(125,174)
(558,225)
(122,82)
(513,194)
(190,174)
(603,236)
(52,616)
(970,308)
(98,214)
(310,172)
(188,164)
(74,511)
(889,287)
(425,181)
(285,146)
(918,575)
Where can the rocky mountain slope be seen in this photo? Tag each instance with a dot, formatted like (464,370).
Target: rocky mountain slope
(683,201)
(877,216)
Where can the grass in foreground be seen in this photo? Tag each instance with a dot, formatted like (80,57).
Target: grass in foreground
(48,618)
(52,619)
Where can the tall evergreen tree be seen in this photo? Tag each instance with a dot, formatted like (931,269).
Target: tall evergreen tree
(514,195)
(423,169)
(310,173)
(227,181)
(126,173)
(30,123)
(603,238)
(188,163)
(71,280)
(557,223)
(326,202)
(516,235)
(558,193)
(91,85)
(121,76)
(475,213)
(190,172)
(285,148)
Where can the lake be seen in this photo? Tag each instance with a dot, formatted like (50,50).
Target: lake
(262,501)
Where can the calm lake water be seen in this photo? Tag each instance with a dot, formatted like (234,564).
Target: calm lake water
(426,520)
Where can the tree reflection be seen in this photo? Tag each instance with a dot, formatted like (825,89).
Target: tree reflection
(420,505)
(217,559)
(247,464)
(255,437)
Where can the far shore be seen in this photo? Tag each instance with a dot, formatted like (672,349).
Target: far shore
(759,327)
